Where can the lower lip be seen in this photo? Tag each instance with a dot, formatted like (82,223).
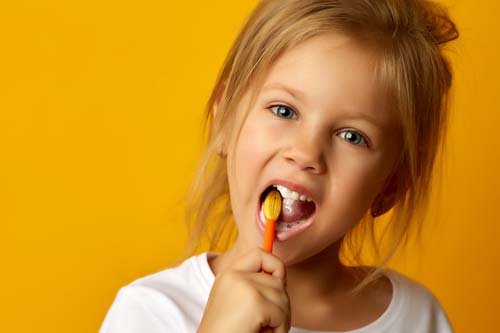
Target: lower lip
(286,234)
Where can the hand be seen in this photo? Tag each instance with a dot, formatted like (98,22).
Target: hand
(245,300)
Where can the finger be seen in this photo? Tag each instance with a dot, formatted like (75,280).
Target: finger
(270,281)
(272,290)
(258,259)
(276,319)
(276,298)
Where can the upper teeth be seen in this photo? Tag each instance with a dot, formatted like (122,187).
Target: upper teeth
(287,193)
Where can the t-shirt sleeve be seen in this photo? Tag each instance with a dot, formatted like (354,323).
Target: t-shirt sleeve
(139,309)
(416,308)
(440,320)
(424,312)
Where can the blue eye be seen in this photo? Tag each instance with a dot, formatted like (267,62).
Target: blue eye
(283,111)
(353,137)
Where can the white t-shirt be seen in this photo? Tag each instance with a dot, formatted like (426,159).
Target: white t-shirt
(173,300)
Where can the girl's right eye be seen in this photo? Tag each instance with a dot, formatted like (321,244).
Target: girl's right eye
(283,111)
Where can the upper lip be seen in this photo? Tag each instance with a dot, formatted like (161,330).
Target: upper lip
(292,186)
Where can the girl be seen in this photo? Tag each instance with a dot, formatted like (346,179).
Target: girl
(342,106)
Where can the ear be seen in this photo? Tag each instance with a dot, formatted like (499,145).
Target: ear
(219,91)
(386,199)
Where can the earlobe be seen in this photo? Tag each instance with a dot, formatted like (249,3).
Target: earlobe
(395,187)
(386,199)
(221,152)
(382,206)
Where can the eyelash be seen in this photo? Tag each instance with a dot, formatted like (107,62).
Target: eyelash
(360,135)
(363,138)
(284,106)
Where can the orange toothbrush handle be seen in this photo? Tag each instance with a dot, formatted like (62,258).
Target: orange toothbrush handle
(268,246)
(269,235)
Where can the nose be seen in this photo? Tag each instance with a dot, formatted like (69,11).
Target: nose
(307,154)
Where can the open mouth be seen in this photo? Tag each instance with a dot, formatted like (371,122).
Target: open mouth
(296,214)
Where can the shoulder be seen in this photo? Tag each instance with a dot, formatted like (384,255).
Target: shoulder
(170,299)
(410,288)
(417,304)
(190,277)
(139,307)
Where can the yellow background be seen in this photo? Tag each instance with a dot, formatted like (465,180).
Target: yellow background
(100,130)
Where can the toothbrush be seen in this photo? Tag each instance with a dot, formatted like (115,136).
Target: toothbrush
(272,210)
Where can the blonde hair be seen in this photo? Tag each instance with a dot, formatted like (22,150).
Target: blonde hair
(408,36)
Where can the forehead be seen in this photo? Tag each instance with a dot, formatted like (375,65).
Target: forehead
(332,72)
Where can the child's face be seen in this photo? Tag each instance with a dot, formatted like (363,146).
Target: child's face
(321,139)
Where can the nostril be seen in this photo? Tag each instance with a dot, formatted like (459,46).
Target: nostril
(308,157)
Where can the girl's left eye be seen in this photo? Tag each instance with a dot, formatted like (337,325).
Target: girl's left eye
(283,111)
(353,137)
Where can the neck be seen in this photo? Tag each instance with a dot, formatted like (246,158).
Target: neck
(317,278)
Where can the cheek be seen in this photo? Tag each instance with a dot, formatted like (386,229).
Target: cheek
(245,164)
(357,180)
(257,138)
(248,147)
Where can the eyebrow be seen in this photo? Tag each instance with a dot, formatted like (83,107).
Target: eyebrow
(300,95)
(359,115)
(291,91)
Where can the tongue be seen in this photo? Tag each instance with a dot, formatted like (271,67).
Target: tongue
(295,210)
